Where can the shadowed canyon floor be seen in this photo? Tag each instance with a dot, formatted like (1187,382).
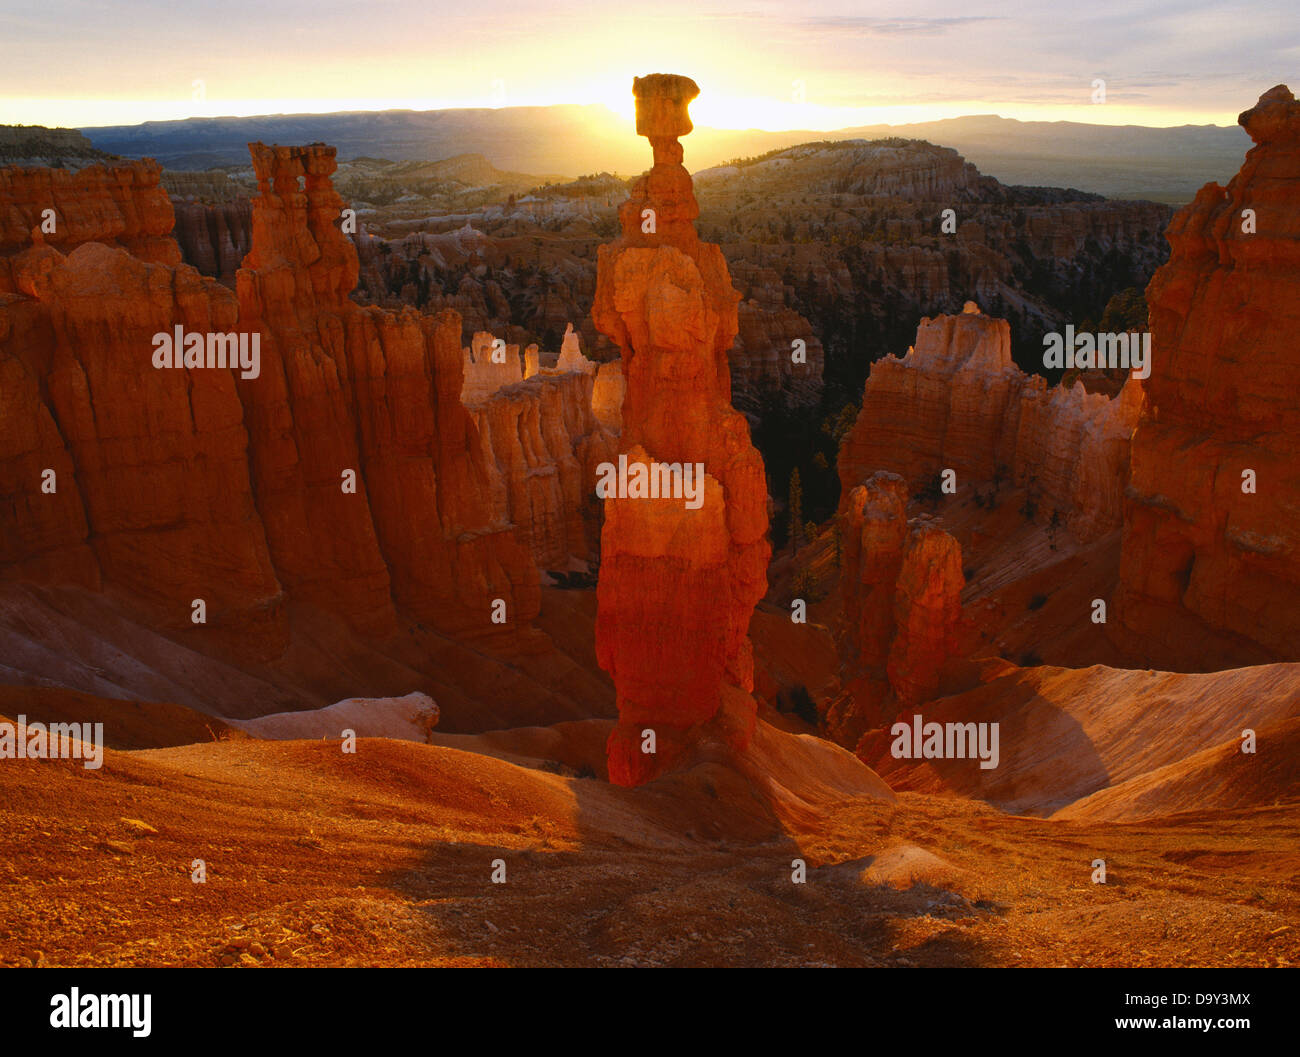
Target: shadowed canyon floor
(385,857)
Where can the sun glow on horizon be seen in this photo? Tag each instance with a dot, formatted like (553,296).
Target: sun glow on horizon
(712,110)
(821,66)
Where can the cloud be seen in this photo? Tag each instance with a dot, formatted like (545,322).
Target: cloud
(892,27)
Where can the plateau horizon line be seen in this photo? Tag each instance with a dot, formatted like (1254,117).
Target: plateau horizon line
(833,119)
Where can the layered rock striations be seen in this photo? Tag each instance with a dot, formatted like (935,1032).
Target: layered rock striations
(678,581)
(346,387)
(215,237)
(117,205)
(898,168)
(956,401)
(571,357)
(148,490)
(59,148)
(607,394)
(214,219)
(1210,574)
(545,441)
(342,470)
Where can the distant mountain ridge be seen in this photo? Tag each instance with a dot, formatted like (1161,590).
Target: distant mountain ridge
(1127,161)
(554,139)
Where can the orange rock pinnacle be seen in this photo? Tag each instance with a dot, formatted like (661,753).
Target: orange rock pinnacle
(677,584)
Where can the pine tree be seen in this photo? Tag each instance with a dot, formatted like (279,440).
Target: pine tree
(796,510)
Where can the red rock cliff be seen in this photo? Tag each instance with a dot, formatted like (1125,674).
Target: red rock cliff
(118,205)
(175,484)
(677,585)
(346,387)
(1210,575)
(544,443)
(151,493)
(956,401)
(214,237)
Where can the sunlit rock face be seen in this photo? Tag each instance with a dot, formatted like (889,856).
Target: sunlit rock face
(679,578)
(345,385)
(232,487)
(114,474)
(123,204)
(1210,572)
(956,401)
(544,444)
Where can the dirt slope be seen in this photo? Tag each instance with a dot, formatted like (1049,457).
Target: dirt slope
(1067,733)
(385,857)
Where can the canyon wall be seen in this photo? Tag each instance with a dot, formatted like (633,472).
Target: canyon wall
(346,387)
(1211,565)
(956,401)
(118,205)
(214,238)
(113,473)
(61,148)
(678,585)
(894,168)
(343,472)
(451,270)
(545,436)
(861,237)
(762,360)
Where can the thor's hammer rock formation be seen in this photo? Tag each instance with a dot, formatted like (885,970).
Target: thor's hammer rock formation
(684,548)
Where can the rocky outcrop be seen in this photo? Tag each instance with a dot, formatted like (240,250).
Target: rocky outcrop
(544,445)
(493,285)
(838,244)
(60,148)
(117,205)
(544,441)
(927,611)
(843,243)
(343,472)
(901,587)
(678,580)
(956,401)
(607,395)
(345,387)
(489,364)
(763,362)
(571,357)
(860,236)
(1210,573)
(896,168)
(151,492)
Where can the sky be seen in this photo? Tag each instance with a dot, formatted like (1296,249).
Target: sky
(810,64)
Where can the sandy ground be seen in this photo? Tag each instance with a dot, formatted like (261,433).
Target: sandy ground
(386,857)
